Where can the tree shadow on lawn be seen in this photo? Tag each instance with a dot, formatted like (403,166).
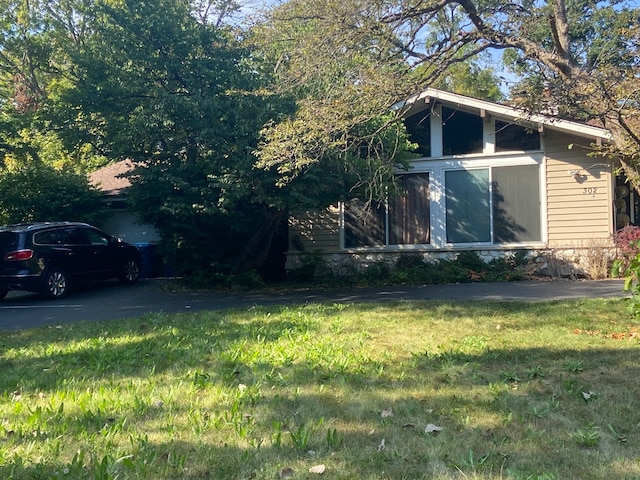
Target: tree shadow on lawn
(506,406)
(520,420)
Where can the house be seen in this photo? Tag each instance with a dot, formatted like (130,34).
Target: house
(121,223)
(489,178)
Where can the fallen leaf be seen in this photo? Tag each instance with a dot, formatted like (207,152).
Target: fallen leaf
(388,412)
(317,469)
(587,395)
(381,446)
(431,428)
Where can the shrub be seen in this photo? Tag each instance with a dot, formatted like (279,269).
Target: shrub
(629,268)
(43,193)
(626,240)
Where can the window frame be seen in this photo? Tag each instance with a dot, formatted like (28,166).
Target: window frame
(437,200)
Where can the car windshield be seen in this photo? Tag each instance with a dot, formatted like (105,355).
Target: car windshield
(8,241)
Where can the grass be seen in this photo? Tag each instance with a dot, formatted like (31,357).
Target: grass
(412,390)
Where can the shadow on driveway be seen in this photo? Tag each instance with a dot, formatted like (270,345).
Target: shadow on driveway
(111,301)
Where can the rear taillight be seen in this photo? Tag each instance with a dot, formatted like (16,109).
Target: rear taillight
(18,255)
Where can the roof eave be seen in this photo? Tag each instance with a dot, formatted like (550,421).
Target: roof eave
(508,112)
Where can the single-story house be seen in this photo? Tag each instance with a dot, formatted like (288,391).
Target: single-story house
(488,177)
(121,223)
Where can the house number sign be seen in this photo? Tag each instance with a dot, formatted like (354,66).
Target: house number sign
(590,191)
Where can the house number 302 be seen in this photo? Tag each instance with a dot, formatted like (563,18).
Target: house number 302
(590,191)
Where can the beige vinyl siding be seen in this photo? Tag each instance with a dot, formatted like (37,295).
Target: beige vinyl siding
(310,231)
(578,209)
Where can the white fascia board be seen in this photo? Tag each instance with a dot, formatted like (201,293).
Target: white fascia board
(506,112)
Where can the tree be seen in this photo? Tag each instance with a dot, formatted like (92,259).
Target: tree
(35,37)
(43,193)
(581,54)
(179,96)
(345,70)
(342,85)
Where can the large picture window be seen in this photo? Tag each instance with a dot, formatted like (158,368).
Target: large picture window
(461,132)
(493,205)
(516,204)
(364,224)
(468,206)
(403,220)
(512,137)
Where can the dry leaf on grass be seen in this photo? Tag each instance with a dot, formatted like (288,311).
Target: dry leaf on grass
(317,469)
(431,428)
(588,395)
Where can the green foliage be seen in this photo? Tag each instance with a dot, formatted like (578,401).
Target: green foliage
(42,193)
(465,267)
(415,268)
(35,38)
(179,97)
(629,268)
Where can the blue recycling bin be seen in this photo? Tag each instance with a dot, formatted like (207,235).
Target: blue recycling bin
(151,262)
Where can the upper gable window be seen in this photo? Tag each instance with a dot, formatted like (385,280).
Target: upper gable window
(461,132)
(512,137)
(419,131)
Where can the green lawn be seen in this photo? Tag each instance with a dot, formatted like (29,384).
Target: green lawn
(412,390)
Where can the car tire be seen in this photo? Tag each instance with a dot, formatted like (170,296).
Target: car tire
(3,293)
(130,271)
(55,283)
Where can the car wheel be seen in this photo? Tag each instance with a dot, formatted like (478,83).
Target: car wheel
(130,271)
(55,283)
(3,293)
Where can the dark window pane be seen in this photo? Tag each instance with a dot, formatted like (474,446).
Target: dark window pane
(461,132)
(53,237)
(468,206)
(76,236)
(511,137)
(516,204)
(409,213)
(95,237)
(363,224)
(419,131)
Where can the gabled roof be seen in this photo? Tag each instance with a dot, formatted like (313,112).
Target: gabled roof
(419,101)
(110,179)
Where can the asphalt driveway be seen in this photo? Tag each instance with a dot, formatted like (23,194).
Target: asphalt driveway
(112,301)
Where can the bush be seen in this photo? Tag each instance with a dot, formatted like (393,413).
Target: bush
(626,240)
(629,268)
(43,193)
(413,268)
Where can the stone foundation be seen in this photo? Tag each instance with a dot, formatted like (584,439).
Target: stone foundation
(589,262)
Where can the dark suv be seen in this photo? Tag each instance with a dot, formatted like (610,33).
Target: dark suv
(49,257)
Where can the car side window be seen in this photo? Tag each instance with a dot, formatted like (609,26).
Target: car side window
(52,237)
(76,237)
(96,237)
